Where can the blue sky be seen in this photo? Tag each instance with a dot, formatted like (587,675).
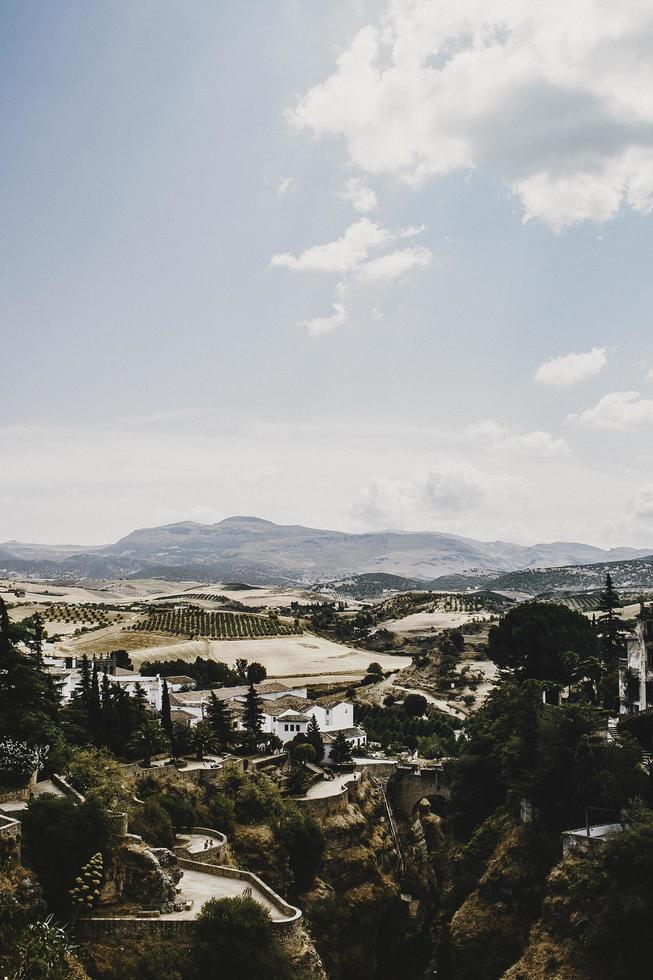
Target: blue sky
(305,260)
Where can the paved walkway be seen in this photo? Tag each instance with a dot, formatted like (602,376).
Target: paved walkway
(200,887)
(194,843)
(330,787)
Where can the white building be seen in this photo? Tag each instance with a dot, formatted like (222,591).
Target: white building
(636,670)
(287,712)
(66,672)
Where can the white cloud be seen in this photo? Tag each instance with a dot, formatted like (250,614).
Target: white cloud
(439,492)
(360,196)
(640,503)
(325,324)
(411,231)
(570,368)
(554,98)
(285,184)
(536,443)
(649,374)
(343,255)
(618,411)
(349,256)
(395,264)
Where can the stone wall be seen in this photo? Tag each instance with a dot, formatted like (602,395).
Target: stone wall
(326,806)
(10,836)
(96,929)
(9,795)
(212,855)
(410,784)
(290,911)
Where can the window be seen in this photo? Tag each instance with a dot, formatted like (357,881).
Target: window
(285,728)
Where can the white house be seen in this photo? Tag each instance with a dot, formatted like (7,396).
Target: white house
(65,670)
(287,712)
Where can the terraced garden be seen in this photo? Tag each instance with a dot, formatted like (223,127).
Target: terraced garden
(214,625)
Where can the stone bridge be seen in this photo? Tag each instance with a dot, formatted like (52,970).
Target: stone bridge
(410,784)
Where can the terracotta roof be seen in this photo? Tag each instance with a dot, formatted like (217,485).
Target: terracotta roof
(290,703)
(180,679)
(295,717)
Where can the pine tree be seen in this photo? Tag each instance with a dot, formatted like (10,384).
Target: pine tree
(29,700)
(218,717)
(105,692)
(141,703)
(5,642)
(608,627)
(314,737)
(94,709)
(340,750)
(37,640)
(84,690)
(166,716)
(253,715)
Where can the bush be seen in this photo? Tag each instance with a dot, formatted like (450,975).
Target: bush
(415,705)
(153,824)
(235,938)
(59,837)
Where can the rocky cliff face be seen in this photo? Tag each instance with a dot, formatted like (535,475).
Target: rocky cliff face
(144,875)
(355,911)
(490,930)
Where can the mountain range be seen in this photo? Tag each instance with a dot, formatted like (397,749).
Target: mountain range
(260,552)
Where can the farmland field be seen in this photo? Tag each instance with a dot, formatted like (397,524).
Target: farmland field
(215,625)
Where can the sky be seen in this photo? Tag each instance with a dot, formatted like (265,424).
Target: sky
(358,265)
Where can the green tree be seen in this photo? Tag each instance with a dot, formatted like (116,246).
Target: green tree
(314,736)
(608,626)
(84,688)
(218,717)
(98,775)
(256,673)
(29,701)
(147,740)
(241,669)
(542,640)
(415,705)
(253,713)
(203,739)
(153,823)
(166,715)
(94,705)
(235,938)
(59,836)
(341,750)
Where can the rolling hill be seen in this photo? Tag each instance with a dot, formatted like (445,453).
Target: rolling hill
(260,552)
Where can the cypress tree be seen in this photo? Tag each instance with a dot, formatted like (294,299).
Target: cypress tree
(37,642)
(340,750)
(141,703)
(166,716)
(5,643)
(94,708)
(218,716)
(105,692)
(253,714)
(314,737)
(608,627)
(84,690)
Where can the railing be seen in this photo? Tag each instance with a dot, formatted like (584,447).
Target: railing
(393,824)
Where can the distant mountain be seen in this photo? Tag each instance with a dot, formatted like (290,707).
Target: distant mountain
(38,552)
(260,552)
(632,575)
